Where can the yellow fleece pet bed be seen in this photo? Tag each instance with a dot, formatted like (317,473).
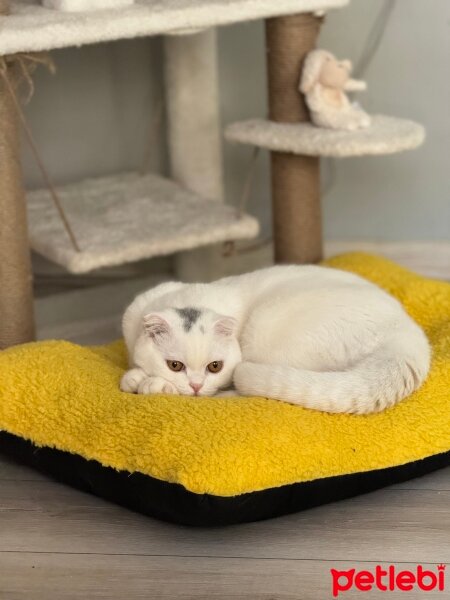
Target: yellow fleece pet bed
(222,460)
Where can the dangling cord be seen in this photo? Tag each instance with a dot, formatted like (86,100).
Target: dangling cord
(248,183)
(229,248)
(51,188)
(155,126)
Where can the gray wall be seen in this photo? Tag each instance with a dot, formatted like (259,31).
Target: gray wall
(95,117)
(404,196)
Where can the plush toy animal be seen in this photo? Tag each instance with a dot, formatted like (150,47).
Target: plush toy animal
(325,81)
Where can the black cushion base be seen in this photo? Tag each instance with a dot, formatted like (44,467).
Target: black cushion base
(172,502)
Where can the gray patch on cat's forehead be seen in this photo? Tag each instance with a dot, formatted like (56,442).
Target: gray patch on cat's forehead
(189,315)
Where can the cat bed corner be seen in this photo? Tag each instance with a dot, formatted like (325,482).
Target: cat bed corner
(213,461)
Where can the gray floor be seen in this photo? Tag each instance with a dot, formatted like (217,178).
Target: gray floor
(57,543)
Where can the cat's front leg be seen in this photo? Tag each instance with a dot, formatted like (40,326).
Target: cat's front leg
(136,381)
(156,385)
(132,379)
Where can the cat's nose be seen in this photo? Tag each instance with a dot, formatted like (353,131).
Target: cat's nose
(196,387)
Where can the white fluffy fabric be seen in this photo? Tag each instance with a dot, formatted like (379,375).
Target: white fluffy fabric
(386,135)
(194,129)
(129,217)
(85,5)
(31,27)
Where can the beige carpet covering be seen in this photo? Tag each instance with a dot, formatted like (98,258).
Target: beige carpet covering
(128,217)
(85,5)
(386,135)
(31,27)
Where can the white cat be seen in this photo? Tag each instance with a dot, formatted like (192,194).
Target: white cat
(314,336)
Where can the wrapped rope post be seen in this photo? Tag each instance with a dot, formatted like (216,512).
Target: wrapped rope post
(295,179)
(16,292)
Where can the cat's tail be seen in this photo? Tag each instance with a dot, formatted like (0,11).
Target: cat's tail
(377,382)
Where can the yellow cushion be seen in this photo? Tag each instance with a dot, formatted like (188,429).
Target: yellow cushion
(64,396)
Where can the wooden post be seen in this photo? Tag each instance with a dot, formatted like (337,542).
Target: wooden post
(16,292)
(295,179)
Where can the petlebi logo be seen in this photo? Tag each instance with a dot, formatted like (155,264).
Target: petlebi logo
(389,579)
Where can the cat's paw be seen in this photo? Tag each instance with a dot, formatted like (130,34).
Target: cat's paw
(131,381)
(156,385)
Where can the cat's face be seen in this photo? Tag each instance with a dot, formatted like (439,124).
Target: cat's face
(195,349)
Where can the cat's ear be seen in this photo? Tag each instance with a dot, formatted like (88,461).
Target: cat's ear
(225,326)
(155,326)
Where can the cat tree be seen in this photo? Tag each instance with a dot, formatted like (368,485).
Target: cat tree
(187,211)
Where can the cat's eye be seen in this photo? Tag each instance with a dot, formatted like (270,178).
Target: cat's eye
(215,366)
(175,365)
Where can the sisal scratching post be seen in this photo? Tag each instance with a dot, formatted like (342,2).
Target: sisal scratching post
(295,179)
(194,131)
(16,293)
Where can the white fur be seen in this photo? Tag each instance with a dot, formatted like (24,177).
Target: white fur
(314,336)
